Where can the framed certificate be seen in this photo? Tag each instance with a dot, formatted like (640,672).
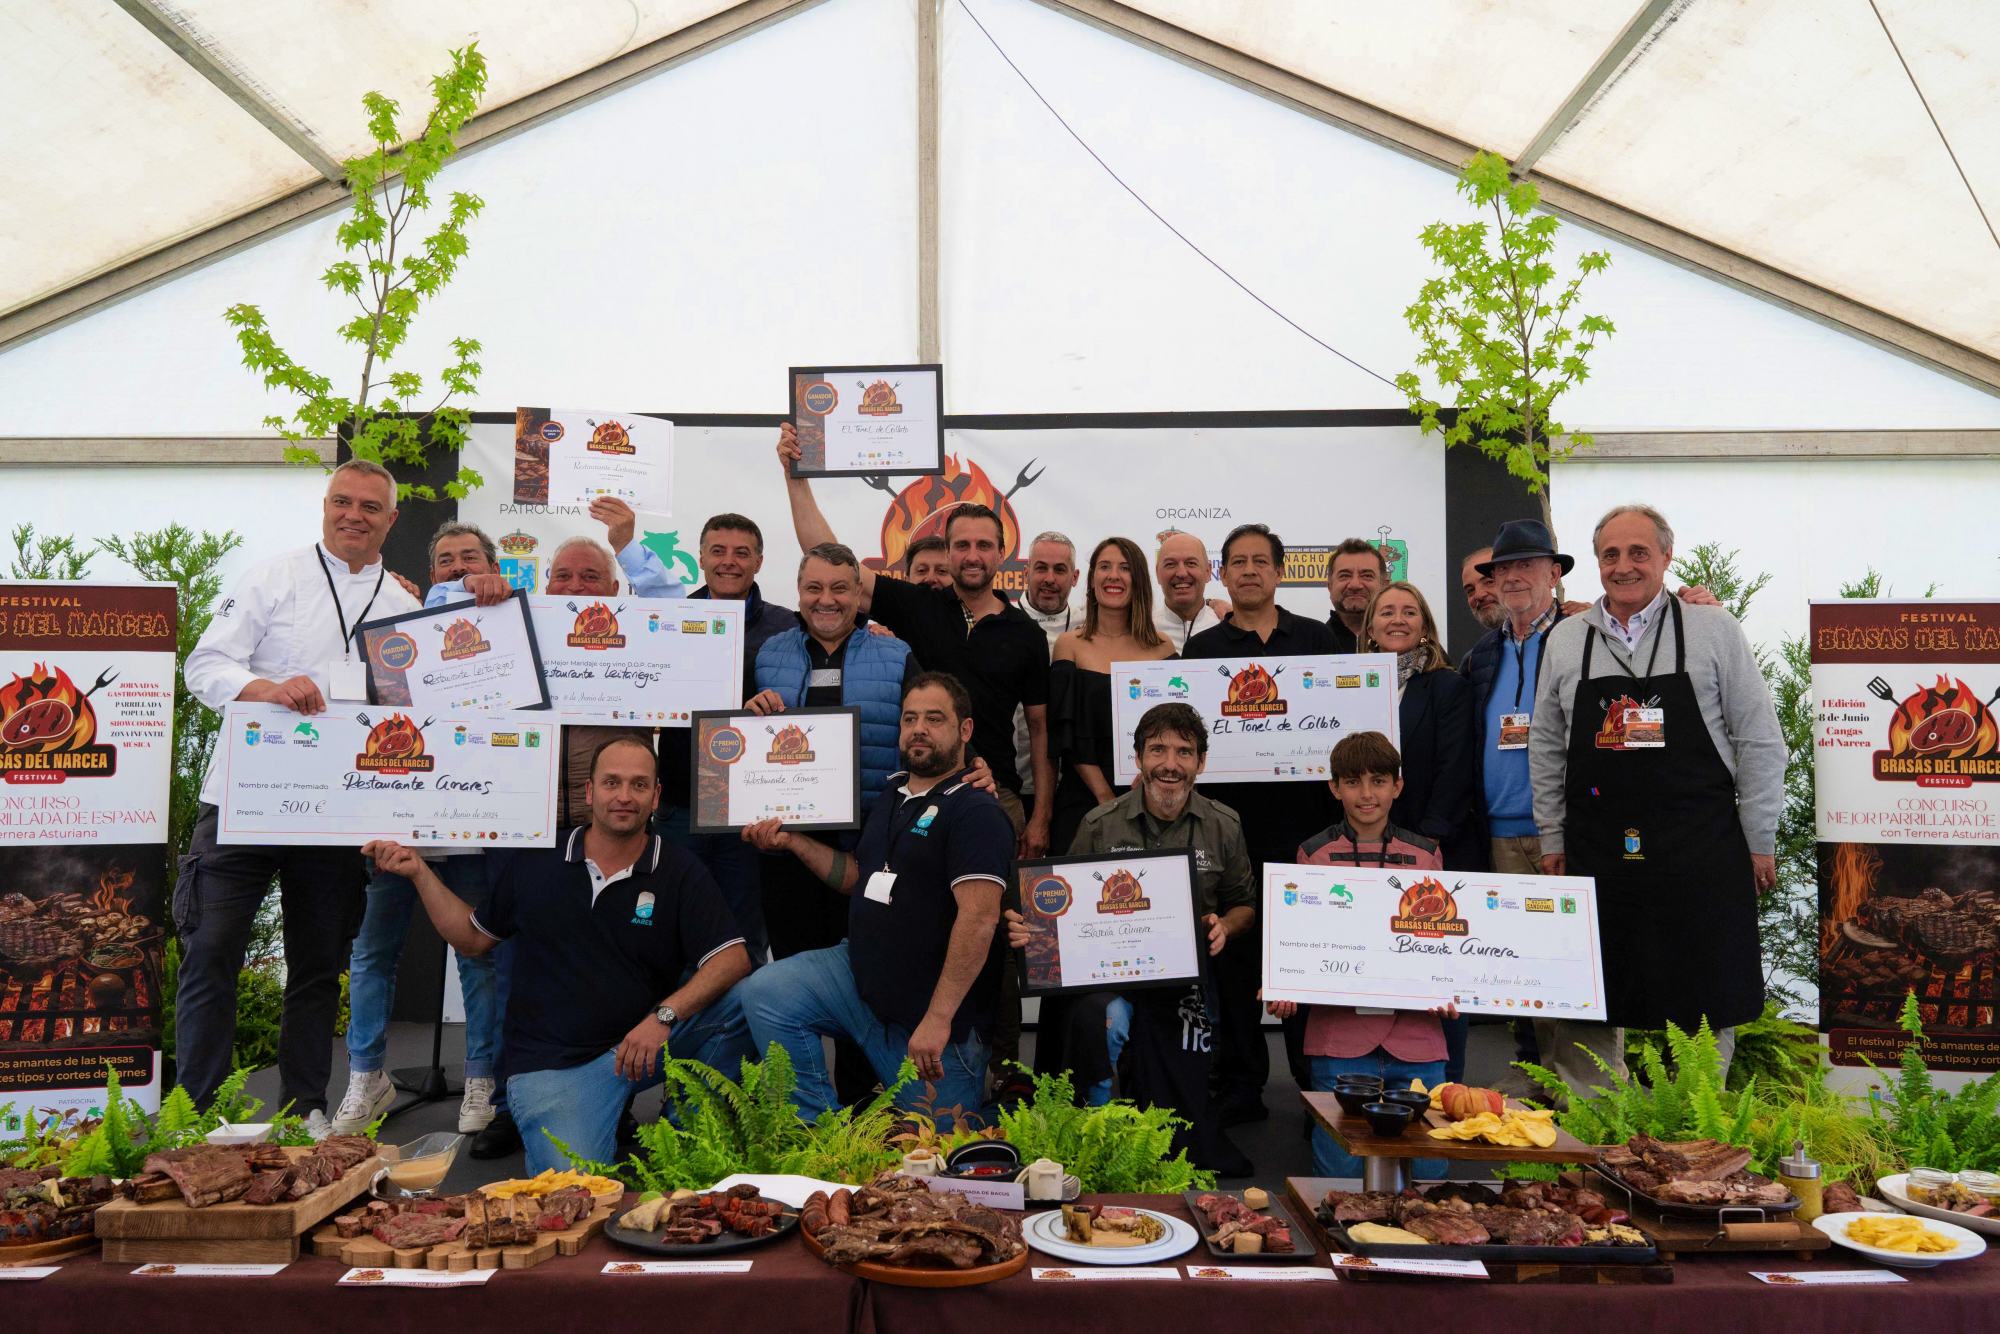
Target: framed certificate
(571,456)
(649,661)
(1112,922)
(802,766)
(455,659)
(1270,720)
(347,776)
(1397,938)
(867,421)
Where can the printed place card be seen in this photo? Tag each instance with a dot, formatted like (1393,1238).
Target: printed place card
(27,1273)
(207,1271)
(1262,1274)
(1429,1268)
(992,1194)
(1083,1274)
(415,1278)
(629,1267)
(1806,1278)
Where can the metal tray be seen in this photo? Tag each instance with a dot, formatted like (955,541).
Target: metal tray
(1336,1235)
(1721,1213)
(650,1242)
(1302,1247)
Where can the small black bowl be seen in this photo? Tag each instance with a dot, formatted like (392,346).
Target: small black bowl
(994,1159)
(1358,1081)
(1418,1103)
(1388,1119)
(1352,1099)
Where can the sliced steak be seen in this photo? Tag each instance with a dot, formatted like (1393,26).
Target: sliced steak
(1368,1206)
(1447,1228)
(407,1232)
(269,1187)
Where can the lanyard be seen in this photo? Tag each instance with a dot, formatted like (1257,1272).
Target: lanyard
(339,612)
(1659,637)
(1381,853)
(1521,660)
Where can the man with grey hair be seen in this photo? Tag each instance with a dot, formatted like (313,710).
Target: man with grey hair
(283,634)
(1052,577)
(1658,768)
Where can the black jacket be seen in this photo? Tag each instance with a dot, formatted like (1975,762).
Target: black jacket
(1439,767)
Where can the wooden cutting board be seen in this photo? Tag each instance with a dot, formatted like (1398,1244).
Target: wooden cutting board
(368,1253)
(168,1232)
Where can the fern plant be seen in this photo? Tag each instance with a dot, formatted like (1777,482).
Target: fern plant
(1927,1127)
(1117,1148)
(118,1146)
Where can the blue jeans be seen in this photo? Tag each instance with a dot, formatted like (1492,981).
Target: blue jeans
(797,1001)
(1329,1159)
(581,1105)
(1117,1031)
(733,863)
(371,970)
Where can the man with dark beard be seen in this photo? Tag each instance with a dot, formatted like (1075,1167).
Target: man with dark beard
(1354,575)
(1162,1033)
(919,972)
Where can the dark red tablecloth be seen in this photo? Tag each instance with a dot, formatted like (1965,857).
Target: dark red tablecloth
(1707,1296)
(786,1288)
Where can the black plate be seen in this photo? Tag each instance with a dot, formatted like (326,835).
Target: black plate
(650,1241)
(1336,1234)
(1302,1246)
(1678,1209)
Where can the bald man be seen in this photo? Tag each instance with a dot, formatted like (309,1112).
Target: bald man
(1182,569)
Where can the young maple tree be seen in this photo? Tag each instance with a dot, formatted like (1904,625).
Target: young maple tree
(1498,333)
(389,275)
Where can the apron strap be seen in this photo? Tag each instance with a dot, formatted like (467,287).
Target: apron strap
(1680,638)
(1589,643)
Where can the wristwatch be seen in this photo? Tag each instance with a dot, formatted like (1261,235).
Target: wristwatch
(665,1014)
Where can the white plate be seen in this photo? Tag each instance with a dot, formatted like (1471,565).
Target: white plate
(1969,1243)
(247,1132)
(1896,1190)
(1046,1233)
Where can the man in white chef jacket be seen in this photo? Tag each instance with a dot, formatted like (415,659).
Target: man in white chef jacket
(284,634)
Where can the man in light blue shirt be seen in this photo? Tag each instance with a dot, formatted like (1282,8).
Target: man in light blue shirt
(644,571)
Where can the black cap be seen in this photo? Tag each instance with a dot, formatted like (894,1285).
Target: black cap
(1520,539)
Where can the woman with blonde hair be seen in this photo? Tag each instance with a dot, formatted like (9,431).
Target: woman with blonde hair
(1434,722)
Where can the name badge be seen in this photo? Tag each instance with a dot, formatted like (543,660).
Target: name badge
(347,679)
(1645,729)
(1514,730)
(823,678)
(879,886)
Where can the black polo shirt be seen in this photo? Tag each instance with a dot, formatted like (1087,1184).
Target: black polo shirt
(826,674)
(931,841)
(1344,639)
(586,972)
(1277,817)
(1003,661)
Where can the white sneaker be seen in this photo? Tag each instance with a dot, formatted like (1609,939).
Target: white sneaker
(317,1125)
(369,1094)
(475,1110)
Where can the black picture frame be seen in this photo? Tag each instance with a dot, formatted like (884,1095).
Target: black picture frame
(1029,870)
(792,409)
(696,749)
(518,600)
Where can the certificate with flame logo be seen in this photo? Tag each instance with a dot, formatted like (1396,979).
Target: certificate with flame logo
(1269,720)
(867,421)
(802,766)
(650,662)
(458,658)
(1114,922)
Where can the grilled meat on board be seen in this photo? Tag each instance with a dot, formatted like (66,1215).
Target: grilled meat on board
(1699,1171)
(896,1220)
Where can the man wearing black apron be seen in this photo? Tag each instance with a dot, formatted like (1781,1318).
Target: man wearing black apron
(1658,769)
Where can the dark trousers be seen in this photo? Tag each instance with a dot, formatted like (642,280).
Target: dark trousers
(1242,1061)
(216,898)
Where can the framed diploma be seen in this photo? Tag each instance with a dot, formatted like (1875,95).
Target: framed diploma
(1111,922)
(1270,720)
(1396,938)
(650,661)
(346,776)
(571,456)
(455,659)
(861,421)
(802,766)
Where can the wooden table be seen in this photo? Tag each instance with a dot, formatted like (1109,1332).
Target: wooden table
(1385,1162)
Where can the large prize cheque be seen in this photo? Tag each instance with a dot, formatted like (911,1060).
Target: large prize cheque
(639,660)
(348,776)
(1397,938)
(1270,720)
(1120,921)
(458,658)
(802,766)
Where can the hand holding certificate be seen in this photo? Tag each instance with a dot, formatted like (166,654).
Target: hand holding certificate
(454,659)
(1108,922)
(626,660)
(1405,939)
(802,767)
(858,421)
(567,457)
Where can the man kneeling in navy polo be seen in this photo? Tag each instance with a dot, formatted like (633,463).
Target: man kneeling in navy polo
(621,942)
(919,973)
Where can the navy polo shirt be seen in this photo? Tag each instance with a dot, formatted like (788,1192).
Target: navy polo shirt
(587,971)
(931,842)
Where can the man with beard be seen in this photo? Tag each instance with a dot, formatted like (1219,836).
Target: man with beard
(1165,1031)
(1482,599)
(919,973)
(622,946)
(927,562)
(1181,569)
(1355,573)
(1277,817)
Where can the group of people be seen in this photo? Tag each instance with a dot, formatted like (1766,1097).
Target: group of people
(1632,740)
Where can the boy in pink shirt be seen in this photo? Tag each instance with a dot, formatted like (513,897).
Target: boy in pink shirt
(1399,1045)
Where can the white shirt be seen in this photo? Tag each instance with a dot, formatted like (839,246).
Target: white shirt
(276,622)
(1176,631)
(1631,632)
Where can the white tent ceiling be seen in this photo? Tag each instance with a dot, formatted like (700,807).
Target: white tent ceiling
(1786,132)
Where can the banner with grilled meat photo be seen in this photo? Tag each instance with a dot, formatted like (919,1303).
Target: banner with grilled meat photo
(1906,752)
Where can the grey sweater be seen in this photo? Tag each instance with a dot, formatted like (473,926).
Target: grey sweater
(1735,703)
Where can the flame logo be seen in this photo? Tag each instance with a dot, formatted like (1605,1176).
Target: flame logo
(611,438)
(1611,736)
(922,508)
(1941,735)
(1253,693)
(879,400)
(45,711)
(395,746)
(1122,893)
(791,744)
(1428,909)
(462,640)
(596,627)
